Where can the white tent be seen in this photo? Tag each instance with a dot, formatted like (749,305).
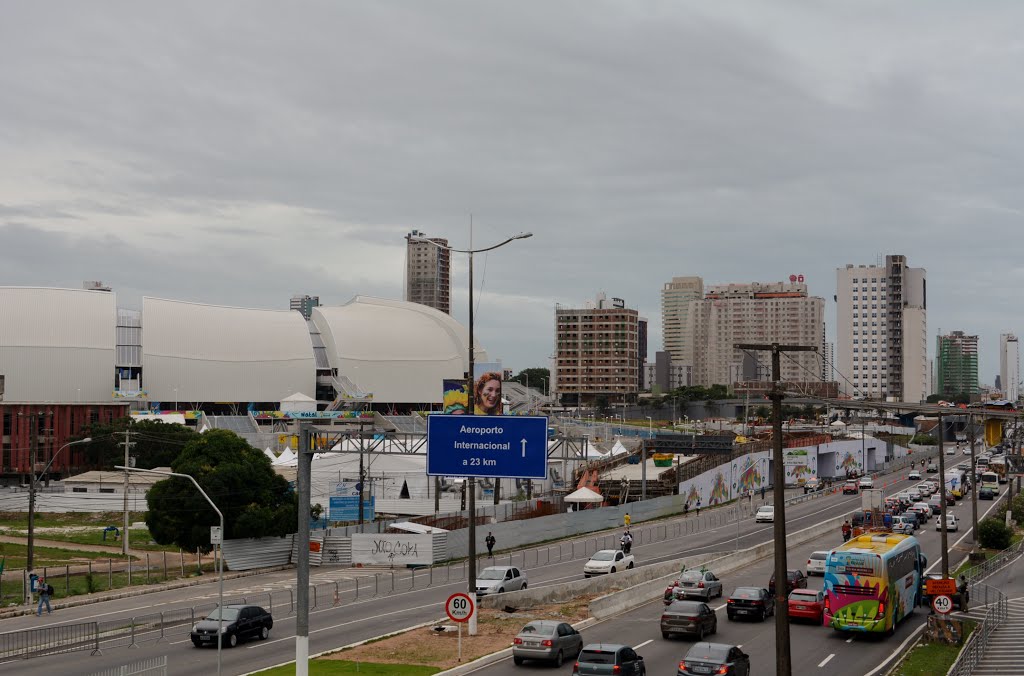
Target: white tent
(584,495)
(270,454)
(838,423)
(287,458)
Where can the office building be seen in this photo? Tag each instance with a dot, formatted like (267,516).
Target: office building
(663,375)
(641,351)
(304,304)
(428,271)
(957,356)
(758,313)
(1009,366)
(677,333)
(881,331)
(596,352)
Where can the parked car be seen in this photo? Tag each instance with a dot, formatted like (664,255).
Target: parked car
(850,488)
(546,640)
(765,513)
(816,563)
(806,604)
(499,579)
(795,579)
(688,617)
(750,602)
(607,561)
(914,474)
(714,658)
(866,482)
(602,659)
(239,622)
(951,523)
(700,584)
(986,493)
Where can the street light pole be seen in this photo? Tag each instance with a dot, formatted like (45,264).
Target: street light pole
(30,554)
(650,427)
(471,481)
(220,552)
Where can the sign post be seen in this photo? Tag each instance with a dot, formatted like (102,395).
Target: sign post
(459,608)
(942,604)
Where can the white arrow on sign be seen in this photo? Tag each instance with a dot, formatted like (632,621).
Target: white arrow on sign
(523,442)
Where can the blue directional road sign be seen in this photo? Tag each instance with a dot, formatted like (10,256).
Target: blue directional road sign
(487,446)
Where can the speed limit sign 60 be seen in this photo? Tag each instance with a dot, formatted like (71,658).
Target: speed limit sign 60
(459,607)
(942,604)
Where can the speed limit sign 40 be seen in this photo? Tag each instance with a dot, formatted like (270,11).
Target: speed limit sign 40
(459,607)
(942,604)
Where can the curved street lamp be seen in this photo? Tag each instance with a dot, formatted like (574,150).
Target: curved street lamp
(470,482)
(33,482)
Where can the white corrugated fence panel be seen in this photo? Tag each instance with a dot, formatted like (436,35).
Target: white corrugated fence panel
(337,551)
(253,553)
(393,549)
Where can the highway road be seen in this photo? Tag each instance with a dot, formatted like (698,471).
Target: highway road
(815,649)
(332,627)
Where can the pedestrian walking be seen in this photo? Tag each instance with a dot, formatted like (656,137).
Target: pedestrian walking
(627,520)
(762,493)
(45,592)
(686,508)
(964,593)
(698,506)
(490,541)
(750,496)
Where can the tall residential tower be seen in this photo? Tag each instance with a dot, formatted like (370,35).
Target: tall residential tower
(1009,365)
(676,330)
(957,357)
(428,271)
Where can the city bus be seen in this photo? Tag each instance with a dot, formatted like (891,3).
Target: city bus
(872,582)
(989,479)
(955,480)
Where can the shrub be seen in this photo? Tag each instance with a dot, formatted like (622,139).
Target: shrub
(993,534)
(1017,508)
(923,440)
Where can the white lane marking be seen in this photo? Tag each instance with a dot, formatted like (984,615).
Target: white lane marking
(717,608)
(899,651)
(849,640)
(637,647)
(826,660)
(345,624)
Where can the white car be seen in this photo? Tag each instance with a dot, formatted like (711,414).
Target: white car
(951,524)
(914,474)
(765,513)
(607,561)
(499,579)
(866,482)
(816,563)
(951,451)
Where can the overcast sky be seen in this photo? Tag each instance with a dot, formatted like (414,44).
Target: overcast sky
(241,152)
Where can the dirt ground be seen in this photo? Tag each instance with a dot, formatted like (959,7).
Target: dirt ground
(496,629)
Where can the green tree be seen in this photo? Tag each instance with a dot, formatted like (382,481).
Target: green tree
(535,377)
(1017,508)
(157,444)
(762,412)
(933,398)
(255,500)
(993,534)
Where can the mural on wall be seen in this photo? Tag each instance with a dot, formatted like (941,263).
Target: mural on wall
(848,464)
(721,484)
(798,465)
(750,473)
(719,490)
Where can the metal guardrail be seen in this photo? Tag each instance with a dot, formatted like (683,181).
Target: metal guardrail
(154,666)
(994,563)
(974,651)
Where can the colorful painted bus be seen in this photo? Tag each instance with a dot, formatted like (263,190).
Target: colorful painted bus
(872,582)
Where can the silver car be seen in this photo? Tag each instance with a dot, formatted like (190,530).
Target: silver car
(547,640)
(701,584)
(499,579)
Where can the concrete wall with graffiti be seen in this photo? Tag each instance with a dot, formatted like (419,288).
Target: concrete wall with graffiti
(725,482)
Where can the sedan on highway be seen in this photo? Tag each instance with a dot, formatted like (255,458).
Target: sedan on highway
(866,482)
(951,523)
(914,474)
(850,488)
(714,658)
(816,563)
(753,602)
(499,579)
(986,493)
(604,659)
(236,622)
(699,584)
(765,513)
(688,617)
(546,640)
(806,604)
(795,579)
(607,561)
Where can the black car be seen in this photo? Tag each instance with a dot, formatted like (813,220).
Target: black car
(239,622)
(986,493)
(598,659)
(750,602)
(688,617)
(714,658)
(795,579)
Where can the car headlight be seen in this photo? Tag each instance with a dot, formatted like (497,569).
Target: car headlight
(195,628)
(224,629)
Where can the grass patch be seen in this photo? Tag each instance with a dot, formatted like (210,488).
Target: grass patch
(138,539)
(928,659)
(49,556)
(64,519)
(343,668)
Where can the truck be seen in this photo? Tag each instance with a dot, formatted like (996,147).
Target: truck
(998,465)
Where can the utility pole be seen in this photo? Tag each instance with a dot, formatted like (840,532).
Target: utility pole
(33,441)
(362,478)
(942,509)
(127,443)
(974,487)
(783,657)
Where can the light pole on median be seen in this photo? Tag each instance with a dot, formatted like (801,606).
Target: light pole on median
(33,482)
(650,427)
(220,558)
(470,481)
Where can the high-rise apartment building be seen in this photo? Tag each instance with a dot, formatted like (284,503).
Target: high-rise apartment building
(828,363)
(596,352)
(882,331)
(754,313)
(957,355)
(676,332)
(304,304)
(428,271)
(1009,366)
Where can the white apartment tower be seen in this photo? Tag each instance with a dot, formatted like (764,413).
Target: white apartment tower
(755,313)
(1009,365)
(676,331)
(882,331)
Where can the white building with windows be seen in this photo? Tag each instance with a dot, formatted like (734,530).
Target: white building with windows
(676,329)
(882,331)
(1009,365)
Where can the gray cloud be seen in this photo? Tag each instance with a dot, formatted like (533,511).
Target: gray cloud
(238,153)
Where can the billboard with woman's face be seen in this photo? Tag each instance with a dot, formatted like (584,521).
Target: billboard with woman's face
(487,394)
